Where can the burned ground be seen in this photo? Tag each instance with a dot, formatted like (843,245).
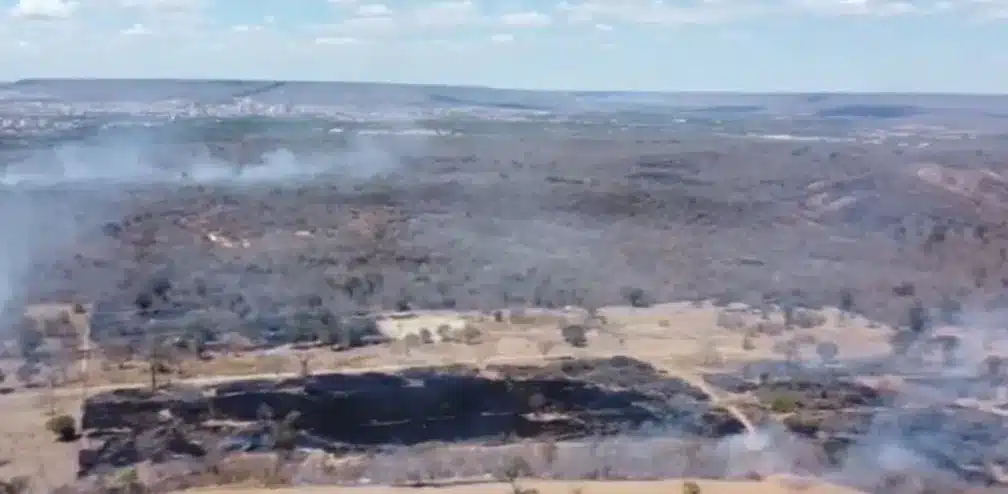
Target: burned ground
(349,413)
(478,222)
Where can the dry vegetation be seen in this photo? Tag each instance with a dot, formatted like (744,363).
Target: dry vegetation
(829,286)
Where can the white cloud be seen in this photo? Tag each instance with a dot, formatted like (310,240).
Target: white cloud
(526,19)
(656,12)
(336,41)
(893,8)
(373,9)
(136,30)
(163,5)
(603,27)
(857,7)
(375,25)
(502,38)
(448,13)
(44,9)
(246,28)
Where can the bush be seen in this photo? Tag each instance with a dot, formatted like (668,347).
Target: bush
(901,341)
(807,319)
(29,339)
(471,335)
(950,310)
(827,351)
(690,487)
(917,317)
(636,297)
(15,485)
(575,335)
(846,301)
(64,426)
(730,320)
(905,289)
(783,404)
(993,366)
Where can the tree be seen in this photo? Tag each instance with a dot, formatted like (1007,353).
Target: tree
(305,361)
(827,351)
(27,371)
(917,317)
(846,301)
(575,334)
(950,310)
(64,426)
(196,338)
(158,359)
(789,315)
(285,434)
(29,340)
(949,345)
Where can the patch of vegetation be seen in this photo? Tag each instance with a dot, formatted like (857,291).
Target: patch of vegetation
(783,404)
(64,426)
(15,485)
(575,335)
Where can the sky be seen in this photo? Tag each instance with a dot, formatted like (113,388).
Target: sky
(948,46)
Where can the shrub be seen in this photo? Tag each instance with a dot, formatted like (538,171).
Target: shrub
(769,328)
(827,351)
(783,404)
(730,320)
(29,340)
(545,347)
(807,319)
(905,289)
(993,366)
(690,487)
(846,301)
(412,340)
(471,335)
(64,426)
(575,335)
(636,297)
(514,469)
(917,317)
(950,310)
(15,485)
(901,341)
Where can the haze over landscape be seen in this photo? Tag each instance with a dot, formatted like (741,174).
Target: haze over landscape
(701,247)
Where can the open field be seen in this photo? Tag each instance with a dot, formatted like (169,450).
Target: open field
(568,297)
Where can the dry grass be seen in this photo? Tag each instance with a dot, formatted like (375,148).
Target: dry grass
(667,335)
(769,486)
(28,448)
(676,336)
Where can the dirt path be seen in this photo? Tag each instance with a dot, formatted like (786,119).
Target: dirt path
(716,398)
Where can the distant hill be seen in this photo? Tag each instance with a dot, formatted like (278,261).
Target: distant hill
(385,95)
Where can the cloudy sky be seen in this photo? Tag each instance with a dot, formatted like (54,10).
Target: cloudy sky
(749,45)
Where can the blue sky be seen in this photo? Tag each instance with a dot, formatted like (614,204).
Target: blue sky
(713,45)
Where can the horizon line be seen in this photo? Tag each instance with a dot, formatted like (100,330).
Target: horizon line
(794,92)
